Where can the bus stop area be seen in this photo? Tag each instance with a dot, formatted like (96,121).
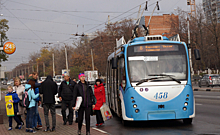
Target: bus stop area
(60,128)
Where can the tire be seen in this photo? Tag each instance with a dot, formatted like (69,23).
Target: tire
(125,123)
(187,121)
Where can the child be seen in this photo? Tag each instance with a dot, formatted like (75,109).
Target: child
(15,101)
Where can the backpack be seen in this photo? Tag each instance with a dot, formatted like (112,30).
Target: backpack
(25,99)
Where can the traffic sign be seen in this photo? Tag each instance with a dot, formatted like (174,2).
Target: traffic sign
(9,47)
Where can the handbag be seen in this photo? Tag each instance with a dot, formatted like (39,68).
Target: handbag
(78,103)
(106,113)
(92,112)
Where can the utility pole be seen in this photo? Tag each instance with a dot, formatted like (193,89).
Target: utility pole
(37,67)
(53,65)
(108,20)
(32,68)
(28,70)
(66,60)
(44,68)
(25,73)
(92,60)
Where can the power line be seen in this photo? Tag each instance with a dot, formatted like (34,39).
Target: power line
(23,23)
(54,11)
(114,17)
(41,31)
(105,12)
(48,21)
(121,14)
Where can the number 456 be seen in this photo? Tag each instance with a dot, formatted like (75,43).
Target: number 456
(161,95)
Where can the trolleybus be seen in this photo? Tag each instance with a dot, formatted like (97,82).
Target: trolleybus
(149,78)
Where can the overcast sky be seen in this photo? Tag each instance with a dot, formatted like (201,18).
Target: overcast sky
(34,22)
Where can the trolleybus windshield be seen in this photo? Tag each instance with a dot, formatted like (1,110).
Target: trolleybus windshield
(145,60)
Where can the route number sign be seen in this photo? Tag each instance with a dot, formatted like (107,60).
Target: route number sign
(9,47)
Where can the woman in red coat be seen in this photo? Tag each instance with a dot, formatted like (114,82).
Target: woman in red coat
(99,93)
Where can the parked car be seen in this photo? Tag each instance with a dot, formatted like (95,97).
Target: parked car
(23,81)
(4,82)
(58,81)
(42,79)
(10,83)
(209,80)
(57,100)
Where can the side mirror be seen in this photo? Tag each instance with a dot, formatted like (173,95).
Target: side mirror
(114,63)
(197,54)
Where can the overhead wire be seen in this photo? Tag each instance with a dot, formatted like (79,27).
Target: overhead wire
(23,23)
(55,11)
(114,17)
(120,15)
(41,31)
(105,12)
(47,21)
(141,9)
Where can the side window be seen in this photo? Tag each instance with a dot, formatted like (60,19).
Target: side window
(122,77)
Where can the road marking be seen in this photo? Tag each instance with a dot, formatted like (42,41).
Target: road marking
(198,104)
(59,114)
(100,130)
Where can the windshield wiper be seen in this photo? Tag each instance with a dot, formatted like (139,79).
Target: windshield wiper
(146,80)
(170,76)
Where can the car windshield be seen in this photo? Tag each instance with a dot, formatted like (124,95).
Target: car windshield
(145,60)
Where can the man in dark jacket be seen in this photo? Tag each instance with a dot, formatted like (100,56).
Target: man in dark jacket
(66,96)
(49,90)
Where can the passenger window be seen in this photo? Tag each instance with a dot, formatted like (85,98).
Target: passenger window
(122,76)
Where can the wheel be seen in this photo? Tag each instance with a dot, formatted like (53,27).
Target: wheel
(200,85)
(187,121)
(125,123)
(208,85)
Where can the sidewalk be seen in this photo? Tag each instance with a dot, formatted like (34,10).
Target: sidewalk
(60,128)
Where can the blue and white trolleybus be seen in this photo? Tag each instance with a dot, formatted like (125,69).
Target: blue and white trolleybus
(149,79)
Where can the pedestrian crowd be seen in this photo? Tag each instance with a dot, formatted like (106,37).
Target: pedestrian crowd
(26,100)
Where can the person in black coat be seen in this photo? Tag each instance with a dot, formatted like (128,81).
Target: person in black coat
(49,89)
(66,96)
(88,102)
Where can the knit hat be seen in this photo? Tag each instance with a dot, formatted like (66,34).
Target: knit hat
(80,74)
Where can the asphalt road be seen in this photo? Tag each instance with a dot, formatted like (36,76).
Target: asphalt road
(206,122)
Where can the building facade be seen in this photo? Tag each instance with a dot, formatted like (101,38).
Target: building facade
(162,25)
(212,10)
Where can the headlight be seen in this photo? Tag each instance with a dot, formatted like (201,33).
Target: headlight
(137,110)
(184,108)
(135,106)
(185,103)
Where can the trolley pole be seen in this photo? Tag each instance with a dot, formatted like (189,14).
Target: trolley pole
(190,51)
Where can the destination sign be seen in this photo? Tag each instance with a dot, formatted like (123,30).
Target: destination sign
(155,48)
